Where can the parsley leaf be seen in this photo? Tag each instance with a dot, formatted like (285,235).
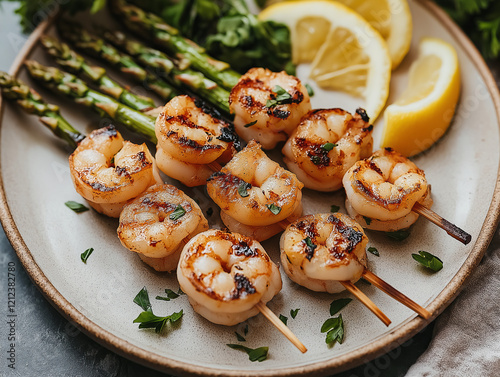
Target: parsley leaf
(374,251)
(239,337)
(148,320)
(76,207)
(257,354)
(243,189)
(283,319)
(86,254)
(142,299)
(337,305)
(334,327)
(273,208)
(398,235)
(294,313)
(328,146)
(245,330)
(250,124)
(170,295)
(428,260)
(178,213)
(334,208)
(309,89)
(282,97)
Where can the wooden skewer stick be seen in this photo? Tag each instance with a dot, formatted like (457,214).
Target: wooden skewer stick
(281,326)
(366,301)
(394,293)
(451,229)
(215,166)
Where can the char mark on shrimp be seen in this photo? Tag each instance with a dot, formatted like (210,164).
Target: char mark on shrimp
(109,131)
(243,286)
(162,206)
(242,248)
(351,235)
(362,113)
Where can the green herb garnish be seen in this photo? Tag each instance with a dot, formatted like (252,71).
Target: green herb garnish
(170,295)
(283,319)
(428,260)
(374,251)
(76,207)
(250,124)
(282,97)
(243,189)
(310,90)
(334,208)
(334,327)
(273,208)
(178,213)
(239,337)
(142,299)
(294,313)
(337,305)
(398,235)
(86,254)
(257,354)
(368,221)
(245,330)
(148,320)
(328,146)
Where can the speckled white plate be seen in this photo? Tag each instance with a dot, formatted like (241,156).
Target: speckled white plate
(49,239)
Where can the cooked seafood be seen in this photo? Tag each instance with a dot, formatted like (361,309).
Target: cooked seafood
(108,171)
(382,190)
(326,143)
(190,139)
(319,251)
(254,190)
(226,275)
(268,106)
(158,223)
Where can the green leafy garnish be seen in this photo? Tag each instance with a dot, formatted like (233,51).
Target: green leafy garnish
(257,354)
(310,90)
(148,320)
(250,124)
(86,254)
(282,97)
(239,337)
(273,208)
(368,221)
(76,207)
(374,251)
(398,235)
(178,213)
(334,208)
(337,305)
(294,313)
(428,260)
(334,327)
(170,295)
(328,146)
(142,299)
(245,330)
(283,319)
(243,189)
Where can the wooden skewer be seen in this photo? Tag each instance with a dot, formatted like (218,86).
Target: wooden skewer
(281,326)
(394,293)
(366,301)
(451,229)
(215,166)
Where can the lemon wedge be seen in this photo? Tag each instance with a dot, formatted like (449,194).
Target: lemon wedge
(424,111)
(346,53)
(392,19)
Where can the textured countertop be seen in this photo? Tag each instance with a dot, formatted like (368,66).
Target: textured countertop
(46,344)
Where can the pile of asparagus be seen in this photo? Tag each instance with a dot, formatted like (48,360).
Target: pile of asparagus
(178,66)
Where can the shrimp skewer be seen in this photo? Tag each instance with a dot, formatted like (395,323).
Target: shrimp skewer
(268,106)
(228,277)
(326,143)
(158,223)
(108,171)
(191,142)
(387,192)
(255,193)
(327,253)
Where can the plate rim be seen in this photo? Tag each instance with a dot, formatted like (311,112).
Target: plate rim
(340,363)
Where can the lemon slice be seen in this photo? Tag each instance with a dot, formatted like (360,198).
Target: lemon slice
(392,19)
(424,111)
(346,52)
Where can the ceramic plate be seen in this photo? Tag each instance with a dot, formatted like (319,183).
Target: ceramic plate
(49,239)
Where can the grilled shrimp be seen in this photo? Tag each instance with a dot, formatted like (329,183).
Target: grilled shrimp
(189,139)
(383,189)
(325,145)
(254,190)
(225,275)
(108,171)
(318,251)
(268,106)
(158,224)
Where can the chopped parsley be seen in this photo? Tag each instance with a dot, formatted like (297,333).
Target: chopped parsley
(398,235)
(334,328)
(76,207)
(148,320)
(374,251)
(245,330)
(240,337)
(368,221)
(86,254)
(282,97)
(178,213)
(428,260)
(334,208)
(257,354)
(170,295)
(294,312)
(283,319)
(273,208)
(310,90)
(243,189)
(337,305)
(250,124)
(142,299)
(328,146)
